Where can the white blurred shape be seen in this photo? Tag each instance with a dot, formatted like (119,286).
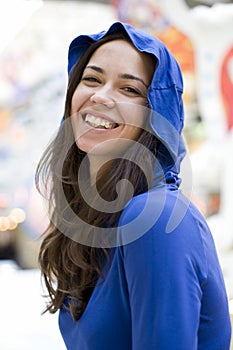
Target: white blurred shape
(13,16)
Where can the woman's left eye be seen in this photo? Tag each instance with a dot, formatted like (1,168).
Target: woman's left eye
(132,90)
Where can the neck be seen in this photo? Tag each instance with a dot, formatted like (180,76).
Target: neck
(95,164)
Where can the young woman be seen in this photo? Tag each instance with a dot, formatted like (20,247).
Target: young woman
(127,259)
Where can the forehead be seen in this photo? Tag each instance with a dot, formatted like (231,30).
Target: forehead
(118,51)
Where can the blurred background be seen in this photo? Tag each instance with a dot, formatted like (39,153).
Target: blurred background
(34,40)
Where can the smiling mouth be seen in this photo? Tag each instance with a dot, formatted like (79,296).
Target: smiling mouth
(99,123)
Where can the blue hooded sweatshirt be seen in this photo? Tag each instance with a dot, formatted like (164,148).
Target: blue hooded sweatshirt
(164,289)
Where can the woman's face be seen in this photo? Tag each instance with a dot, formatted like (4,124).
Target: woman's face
(107,103)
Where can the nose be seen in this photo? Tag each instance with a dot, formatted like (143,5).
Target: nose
(103,96)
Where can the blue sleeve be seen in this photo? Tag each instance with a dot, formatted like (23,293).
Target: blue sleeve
(165,273)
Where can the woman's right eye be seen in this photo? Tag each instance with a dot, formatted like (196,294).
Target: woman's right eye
(90,79)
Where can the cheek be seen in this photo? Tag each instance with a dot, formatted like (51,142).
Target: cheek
(78,99)
(136,123)
(74,101)
(133,114)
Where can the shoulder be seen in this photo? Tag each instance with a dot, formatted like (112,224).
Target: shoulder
(165,223)
(164,234)
(161,210)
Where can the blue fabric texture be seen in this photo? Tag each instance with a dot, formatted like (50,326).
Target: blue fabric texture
(165,289)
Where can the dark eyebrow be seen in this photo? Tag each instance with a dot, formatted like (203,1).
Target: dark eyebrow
(132,77)
(97,69)
(122,76)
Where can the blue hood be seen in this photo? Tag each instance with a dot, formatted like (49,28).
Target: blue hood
(164,96)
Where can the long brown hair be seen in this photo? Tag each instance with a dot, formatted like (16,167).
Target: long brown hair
(70,268)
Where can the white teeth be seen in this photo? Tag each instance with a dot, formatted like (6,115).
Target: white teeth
(98,122)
